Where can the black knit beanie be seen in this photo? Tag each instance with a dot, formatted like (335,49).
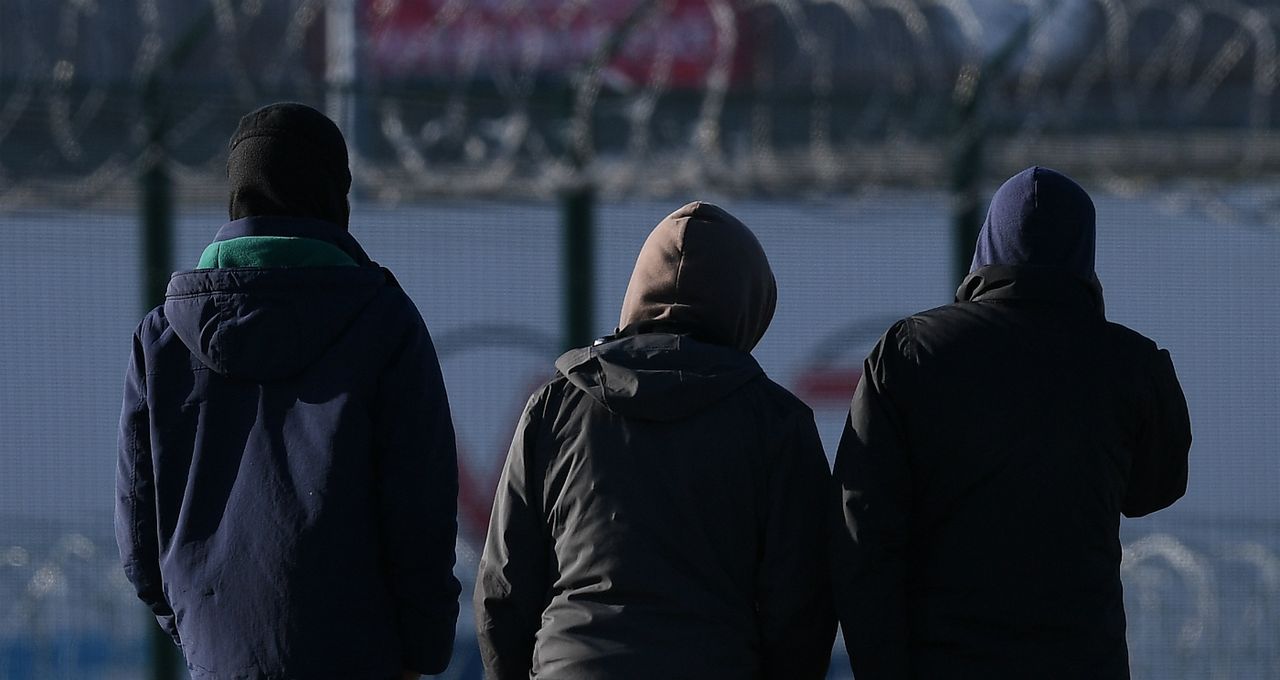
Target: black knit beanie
(288,159)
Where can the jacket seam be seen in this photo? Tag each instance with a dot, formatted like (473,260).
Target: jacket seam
(684,231)
(244,290)
(604,393)
(909,346)
(543,395)
(133,473)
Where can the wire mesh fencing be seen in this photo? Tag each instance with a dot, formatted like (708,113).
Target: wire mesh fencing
(853,135)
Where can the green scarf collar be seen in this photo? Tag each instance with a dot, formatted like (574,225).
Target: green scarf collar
(273,251)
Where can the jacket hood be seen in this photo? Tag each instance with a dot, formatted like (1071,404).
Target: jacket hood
(1043,284)
(265,324)
(701,272)
(657,376)
(1039,218)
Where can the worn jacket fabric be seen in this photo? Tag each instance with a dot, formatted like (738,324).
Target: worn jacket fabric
(660,516)
(661,511)
(286,492)
(991,447)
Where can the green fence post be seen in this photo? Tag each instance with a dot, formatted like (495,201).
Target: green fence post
(157,246)
(578,200)
(967,171)
(968,159)
(579,265)
(157,226)
(156,194)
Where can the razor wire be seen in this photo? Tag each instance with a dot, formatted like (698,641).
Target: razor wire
(641,97)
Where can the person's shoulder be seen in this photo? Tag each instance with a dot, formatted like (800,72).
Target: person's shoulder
(943,329)
(902,337)
(942,316)
(1123,333)
(153,327)
(773,402)
(392,309)
(553,388)
(548,400)
(941,311)
(1129,340)
(394,299)
(780,420)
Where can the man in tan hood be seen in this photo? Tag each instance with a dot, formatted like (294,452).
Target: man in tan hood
(703,273)
(661,512)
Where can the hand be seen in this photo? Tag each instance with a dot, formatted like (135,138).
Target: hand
(410,675)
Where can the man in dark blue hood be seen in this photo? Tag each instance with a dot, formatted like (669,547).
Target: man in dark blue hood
(1039,218)
(287,482)
(991,448)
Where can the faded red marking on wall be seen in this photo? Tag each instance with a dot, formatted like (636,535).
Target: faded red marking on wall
(827,387)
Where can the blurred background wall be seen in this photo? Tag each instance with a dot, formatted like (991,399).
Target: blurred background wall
(510,156)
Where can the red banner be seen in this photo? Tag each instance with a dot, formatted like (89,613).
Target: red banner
(678,41)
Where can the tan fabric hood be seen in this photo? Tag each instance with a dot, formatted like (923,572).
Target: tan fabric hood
(702,272)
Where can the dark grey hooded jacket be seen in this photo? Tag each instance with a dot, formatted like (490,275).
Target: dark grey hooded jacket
(661,512)
(991,448)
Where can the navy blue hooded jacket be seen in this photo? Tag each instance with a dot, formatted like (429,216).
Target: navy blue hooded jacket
(287,482)
(991,448)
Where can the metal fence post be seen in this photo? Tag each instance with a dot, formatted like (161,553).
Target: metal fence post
(967,171)
(579,197)
(157,240)
(157,223)
(156,195)
(579,265)
(968,160)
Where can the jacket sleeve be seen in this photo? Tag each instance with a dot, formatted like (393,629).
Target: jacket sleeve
(1158,472)
(135,513)
(873,512)
(796,617)
(418,500)
(514,578)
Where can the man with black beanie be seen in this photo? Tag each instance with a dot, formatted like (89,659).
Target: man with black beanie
(287,481)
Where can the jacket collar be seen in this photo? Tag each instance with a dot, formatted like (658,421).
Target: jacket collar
(298,227)
(1043,284)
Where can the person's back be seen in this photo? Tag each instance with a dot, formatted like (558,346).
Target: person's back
(662,512)
(994,444)
(288,479)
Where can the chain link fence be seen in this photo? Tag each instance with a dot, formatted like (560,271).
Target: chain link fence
(860,138)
